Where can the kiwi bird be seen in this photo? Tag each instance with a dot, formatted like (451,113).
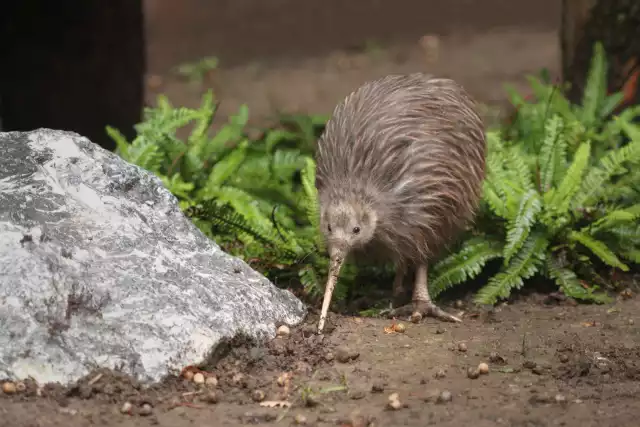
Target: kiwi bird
(399,170)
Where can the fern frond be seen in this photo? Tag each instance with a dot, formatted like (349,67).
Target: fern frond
(562,197)
(596,86)
(552,153)
(519,228)
(598,248)
(463,265)
(523,265)
(571,286)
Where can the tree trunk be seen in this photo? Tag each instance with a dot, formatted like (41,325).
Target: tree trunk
(614,23)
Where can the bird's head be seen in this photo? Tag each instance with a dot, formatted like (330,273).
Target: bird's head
(347,225)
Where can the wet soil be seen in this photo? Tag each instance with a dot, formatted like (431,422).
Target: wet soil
(551,363)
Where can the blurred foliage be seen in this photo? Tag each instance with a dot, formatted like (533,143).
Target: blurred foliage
(560,198)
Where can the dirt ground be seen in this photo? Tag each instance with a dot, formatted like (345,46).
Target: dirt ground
(551,363)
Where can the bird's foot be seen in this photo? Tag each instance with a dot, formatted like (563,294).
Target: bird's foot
(419,309)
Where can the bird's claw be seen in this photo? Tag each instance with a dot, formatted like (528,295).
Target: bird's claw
(418,309)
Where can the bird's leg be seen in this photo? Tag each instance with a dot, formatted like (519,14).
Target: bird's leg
(421,304)
(398,291)
(399,294)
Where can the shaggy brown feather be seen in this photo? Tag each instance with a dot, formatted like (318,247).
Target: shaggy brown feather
(401,161)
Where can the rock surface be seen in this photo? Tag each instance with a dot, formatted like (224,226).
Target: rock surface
(100,268)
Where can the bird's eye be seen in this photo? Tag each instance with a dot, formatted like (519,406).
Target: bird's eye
(356,230)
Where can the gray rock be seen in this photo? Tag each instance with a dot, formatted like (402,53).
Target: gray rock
(100,268)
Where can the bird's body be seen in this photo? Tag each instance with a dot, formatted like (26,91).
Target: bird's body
(400,168)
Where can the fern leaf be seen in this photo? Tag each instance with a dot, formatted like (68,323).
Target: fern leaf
(520,227)
(523,265)
(596,86)
(598,248)
(563,195)
(553,147)
(226,167)
(615,218)
(463,265)
(571,286)
(122,146)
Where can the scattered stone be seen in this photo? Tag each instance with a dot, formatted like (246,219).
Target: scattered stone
(394,401)
(400,327)
(440,373)
(529,364)
(440,330)
(258,395)
(21,387)
(283,331)
(630,321)
(459,304)
(483,368)
(497,359)
(343,355)
(462,347)
(188,375)
(300,419)
(538,370)
(126,408)
(146,410)
(416,317)
(282,379)
(561,399)
(329,356)
(563,358)
(473,373)
(211,397)
(9,388)
(377,387)
(198,378)
(211,381)
(444,397)
(238,380)
(357,394)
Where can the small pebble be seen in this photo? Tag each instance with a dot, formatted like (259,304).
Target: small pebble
(416,317)
(395,404)
(483,368)
(529,364)
(343,355)
(283,331)
(9,388)
(329,357)
(211,381)
(630,321)
(440,373)
(440,330)
(188,375)
(564,358)
(459,304)
(538,370)
(445,397)
(21,387)
(126,408)
(211,397)
(473,373)
(146,410)
(496,358)
(198,378)
(300,419)
(400,328)
(258,395)
(462,347)
(377,387)
(560,398)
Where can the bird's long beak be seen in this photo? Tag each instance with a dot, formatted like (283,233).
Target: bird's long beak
(337,256)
